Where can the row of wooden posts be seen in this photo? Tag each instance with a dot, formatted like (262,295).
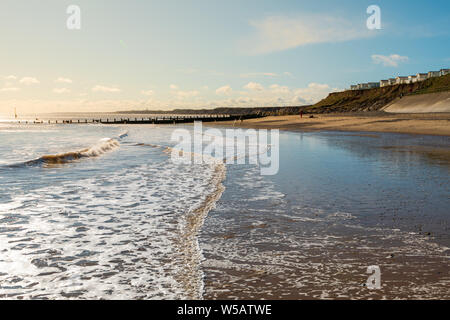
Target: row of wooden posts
(151,120)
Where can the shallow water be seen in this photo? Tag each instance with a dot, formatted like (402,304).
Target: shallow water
(340,203)
(103,226)
(114,218)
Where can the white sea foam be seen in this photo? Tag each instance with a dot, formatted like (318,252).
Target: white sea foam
(113,235)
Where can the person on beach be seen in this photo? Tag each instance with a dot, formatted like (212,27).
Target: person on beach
(301,114)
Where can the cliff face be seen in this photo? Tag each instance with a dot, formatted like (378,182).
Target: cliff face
(376,99)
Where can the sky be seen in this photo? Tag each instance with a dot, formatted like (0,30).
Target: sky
(167,54)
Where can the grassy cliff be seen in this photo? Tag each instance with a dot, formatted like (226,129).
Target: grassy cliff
(375,99)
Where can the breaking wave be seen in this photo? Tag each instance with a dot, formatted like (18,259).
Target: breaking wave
(103,146)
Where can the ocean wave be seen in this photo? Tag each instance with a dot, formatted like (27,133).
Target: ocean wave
(103,146)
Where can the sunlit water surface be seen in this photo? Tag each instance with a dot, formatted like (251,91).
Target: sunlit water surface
(112,217)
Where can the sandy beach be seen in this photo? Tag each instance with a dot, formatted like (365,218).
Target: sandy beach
(418,123)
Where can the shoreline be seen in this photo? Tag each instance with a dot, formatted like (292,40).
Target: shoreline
(437,124)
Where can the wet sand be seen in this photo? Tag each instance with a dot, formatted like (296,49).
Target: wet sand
(275,246)
(293,239)
(424,123)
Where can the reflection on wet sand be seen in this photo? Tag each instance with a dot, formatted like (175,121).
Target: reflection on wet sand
(434,155)
(341,203)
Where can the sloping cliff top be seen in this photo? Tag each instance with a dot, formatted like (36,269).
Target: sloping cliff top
(378,98)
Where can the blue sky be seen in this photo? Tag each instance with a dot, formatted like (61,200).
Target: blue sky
(206,53)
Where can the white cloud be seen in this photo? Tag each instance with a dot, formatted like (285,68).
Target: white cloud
(61,90)
(389,61)
(11,77)
(273,95)
(254,86)
(29,80)
(173,87)
(297,100)
(147,92)
(225,90)
(277,33)
(63,80)
(314,92)
(279,89)
(100,88)
(9,89)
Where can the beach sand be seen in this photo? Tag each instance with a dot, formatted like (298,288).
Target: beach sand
(418,123)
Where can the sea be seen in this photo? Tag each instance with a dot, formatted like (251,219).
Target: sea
(98,211)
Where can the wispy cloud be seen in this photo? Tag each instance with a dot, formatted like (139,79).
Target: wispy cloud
(275,88)
(314,92)
(392,60)
(273,95)
(29,80)
(225,90)
(254,86)
(100,88)
(277,33)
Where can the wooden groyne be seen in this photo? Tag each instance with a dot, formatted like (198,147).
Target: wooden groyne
(160,119)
